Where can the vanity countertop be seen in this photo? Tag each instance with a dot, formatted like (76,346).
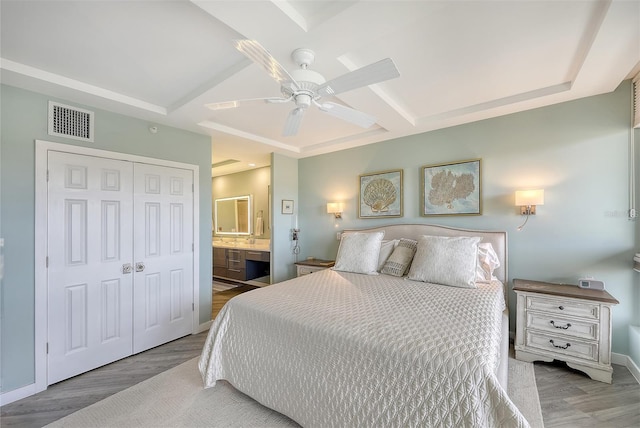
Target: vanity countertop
(258,246)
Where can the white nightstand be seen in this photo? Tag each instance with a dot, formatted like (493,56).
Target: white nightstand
(566,323)
(308,266)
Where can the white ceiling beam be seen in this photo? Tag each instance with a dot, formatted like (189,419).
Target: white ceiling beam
(66,82)
(242,134)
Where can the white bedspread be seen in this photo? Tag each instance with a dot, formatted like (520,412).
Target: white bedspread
(350,350)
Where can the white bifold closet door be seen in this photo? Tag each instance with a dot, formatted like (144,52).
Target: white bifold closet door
(120,260)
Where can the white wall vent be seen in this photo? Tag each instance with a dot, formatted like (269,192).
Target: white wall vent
(70,122)
(636,101)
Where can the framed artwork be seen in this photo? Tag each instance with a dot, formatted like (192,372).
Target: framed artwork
(451,189)
(381,194)
(287,206)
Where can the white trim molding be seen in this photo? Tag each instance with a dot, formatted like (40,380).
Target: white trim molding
(625,360)
(17,394)
(204,327)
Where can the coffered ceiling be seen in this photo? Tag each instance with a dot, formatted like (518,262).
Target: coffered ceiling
(459,61)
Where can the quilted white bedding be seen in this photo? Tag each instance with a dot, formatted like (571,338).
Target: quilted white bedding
(351,350)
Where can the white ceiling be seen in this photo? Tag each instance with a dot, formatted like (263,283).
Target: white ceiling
(459,61)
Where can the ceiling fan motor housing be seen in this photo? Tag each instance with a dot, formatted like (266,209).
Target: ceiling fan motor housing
(308,82)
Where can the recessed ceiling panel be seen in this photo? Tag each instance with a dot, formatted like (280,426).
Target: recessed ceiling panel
(467,53)
(153,51)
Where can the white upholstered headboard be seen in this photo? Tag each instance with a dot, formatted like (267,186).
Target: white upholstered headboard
(412,231)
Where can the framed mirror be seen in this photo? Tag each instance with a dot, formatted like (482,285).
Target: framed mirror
(232,216)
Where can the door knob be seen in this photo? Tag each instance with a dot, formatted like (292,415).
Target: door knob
(127,268)
(139,266)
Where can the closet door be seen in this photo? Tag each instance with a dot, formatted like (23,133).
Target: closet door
(163,255)
(90,294)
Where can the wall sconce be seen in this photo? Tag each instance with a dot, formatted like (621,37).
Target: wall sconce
(636,262)
(527,201)
(335,208)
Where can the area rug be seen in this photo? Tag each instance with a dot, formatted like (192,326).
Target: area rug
(175,398)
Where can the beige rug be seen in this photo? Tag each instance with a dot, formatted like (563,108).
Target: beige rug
(175,398)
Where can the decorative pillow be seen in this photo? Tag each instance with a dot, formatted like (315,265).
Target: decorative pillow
(446,260)
(386,248)
(488,261)
(358,252)
(400,260)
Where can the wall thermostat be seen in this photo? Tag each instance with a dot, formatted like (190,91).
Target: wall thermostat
(591,283)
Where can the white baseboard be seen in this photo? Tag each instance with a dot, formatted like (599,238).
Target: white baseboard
(625,360)
(204,327)
(17,394)
(29,390)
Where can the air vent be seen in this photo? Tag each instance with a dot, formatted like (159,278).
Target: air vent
(636,101)
(70,122)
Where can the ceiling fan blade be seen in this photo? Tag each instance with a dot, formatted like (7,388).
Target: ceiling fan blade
(258,54)
(293,122)
(233,104)
(368,75)
(356,117)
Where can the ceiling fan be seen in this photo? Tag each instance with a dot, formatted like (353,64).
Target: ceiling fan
(305,87)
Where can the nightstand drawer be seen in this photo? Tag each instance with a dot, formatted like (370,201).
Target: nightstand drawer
(563,345)
(563,307)
(306,270)
(561,325)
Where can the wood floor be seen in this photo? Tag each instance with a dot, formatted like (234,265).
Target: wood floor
(71,395)
(568,398)
(222,297)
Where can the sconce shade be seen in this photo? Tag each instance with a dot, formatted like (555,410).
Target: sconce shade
(334,207)
(636,262)
(529,197)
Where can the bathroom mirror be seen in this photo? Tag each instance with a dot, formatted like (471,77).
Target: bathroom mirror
(232,216)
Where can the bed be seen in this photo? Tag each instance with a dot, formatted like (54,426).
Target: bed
(347,347)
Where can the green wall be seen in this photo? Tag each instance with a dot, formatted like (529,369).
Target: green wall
(24,119)
(576,151)
(284,185)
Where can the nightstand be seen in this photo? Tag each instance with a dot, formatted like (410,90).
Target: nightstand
(305,267)
(566,323)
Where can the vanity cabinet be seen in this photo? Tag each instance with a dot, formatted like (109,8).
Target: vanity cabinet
(235,265)
(219,262)
(239,264)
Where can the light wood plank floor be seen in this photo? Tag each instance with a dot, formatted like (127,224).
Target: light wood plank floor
(568,398)
(222,297)
(71,395)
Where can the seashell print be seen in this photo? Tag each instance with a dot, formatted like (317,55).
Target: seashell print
(379,194)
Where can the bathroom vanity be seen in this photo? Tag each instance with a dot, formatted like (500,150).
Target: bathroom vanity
(240,261)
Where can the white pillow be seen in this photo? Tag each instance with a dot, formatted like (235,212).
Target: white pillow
(488,261)
(399,262)
(386,248)
(358,252)
(446,260)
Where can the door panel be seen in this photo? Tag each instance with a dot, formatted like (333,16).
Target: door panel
(89,239)
(163,244)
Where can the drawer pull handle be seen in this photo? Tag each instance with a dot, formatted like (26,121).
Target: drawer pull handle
(564,327)
(559,346)
(561,308)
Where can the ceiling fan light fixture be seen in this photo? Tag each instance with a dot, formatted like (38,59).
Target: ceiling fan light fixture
(303,100)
